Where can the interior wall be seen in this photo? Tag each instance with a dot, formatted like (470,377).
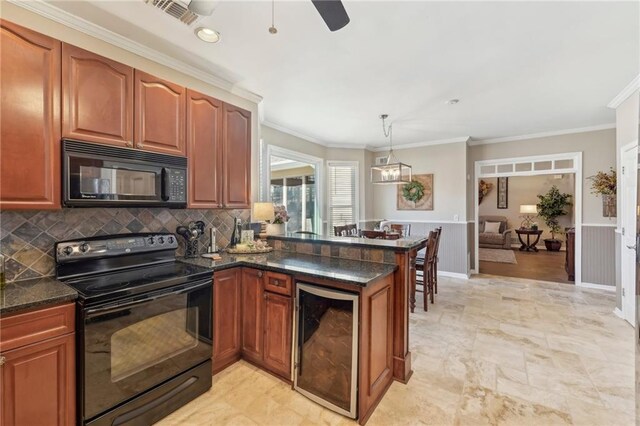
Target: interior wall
(524,190)
(298,171)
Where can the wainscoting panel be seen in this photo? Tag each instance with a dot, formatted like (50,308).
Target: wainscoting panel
(599,255)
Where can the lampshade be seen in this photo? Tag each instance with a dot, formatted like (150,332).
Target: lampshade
(528,209)
(263,211)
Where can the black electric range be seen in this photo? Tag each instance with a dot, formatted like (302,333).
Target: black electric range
(144,326)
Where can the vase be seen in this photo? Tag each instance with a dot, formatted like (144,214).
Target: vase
(276,228)
(608,205)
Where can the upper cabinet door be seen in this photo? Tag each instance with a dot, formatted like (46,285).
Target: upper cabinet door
(160,115)
(97,98)
(204,134)
(236,142)
(30,119)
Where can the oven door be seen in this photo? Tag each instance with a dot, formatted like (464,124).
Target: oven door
(129,348)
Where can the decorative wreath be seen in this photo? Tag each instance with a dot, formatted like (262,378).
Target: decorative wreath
(413,191)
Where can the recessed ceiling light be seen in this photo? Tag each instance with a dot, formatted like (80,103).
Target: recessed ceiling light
(452,101)
(207,34)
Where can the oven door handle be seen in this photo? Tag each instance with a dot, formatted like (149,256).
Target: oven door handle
(126,305)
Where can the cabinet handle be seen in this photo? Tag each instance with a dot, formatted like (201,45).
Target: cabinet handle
(2,360)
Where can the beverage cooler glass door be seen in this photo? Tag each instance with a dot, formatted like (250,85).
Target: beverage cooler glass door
(326,347)
(135,345)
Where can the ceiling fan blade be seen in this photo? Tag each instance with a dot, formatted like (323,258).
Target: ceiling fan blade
(202,7)
(333,13)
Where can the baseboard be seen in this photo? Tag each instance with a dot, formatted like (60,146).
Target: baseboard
(618,313)
(597,286)
(473,272)
(453,275)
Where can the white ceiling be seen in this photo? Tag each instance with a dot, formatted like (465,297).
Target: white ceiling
(518,67)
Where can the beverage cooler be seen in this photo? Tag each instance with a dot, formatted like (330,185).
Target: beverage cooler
(326,347)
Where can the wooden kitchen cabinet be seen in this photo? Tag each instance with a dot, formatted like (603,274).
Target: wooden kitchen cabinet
(204,137)
(236,149)
(30,120)
(38,367)
(97,96)
(159,115)
(277,333)
(227,308)
(252,314)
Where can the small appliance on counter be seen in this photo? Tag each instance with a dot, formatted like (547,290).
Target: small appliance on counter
(191,233)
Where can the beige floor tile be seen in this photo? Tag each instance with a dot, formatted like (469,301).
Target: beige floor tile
(491,350)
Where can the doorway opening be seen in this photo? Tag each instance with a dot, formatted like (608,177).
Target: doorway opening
(530,176)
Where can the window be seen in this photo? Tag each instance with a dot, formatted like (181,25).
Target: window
(298,195)
(342,193)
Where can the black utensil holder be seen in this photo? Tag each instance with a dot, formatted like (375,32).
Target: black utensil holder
(191,248)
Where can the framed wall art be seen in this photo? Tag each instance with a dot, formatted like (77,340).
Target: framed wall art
(417,195)
(503,192)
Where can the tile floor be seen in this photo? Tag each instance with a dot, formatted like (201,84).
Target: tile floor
(492,350)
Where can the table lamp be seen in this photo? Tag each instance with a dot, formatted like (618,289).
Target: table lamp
(263,212)
(528,210)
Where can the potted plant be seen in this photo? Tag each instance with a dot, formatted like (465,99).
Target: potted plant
(281,217)
(551,206)
(605,185)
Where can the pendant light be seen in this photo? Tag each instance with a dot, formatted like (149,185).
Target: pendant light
(391,171)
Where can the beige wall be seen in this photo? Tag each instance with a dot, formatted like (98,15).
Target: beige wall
(598,150)
(53,29)
(271,136)
(447,162)
(523,190)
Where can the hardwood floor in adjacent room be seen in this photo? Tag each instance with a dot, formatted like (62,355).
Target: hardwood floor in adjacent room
(542,265)
(490,351)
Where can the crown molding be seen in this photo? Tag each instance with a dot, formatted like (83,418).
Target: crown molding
(288,131)
(543,134)
(53,13)
(464,139)
(352,146)
(625,93)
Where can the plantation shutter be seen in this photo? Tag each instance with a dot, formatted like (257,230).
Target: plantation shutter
(342,194)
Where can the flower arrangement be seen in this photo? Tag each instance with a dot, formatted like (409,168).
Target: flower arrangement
(483,189)
(604,183)
(280,215)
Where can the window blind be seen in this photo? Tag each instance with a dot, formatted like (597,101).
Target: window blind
(342,194)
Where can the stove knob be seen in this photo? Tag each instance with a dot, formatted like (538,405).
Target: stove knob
(150,241)
(84,248)
(67,250)
(170,240)
(161,240)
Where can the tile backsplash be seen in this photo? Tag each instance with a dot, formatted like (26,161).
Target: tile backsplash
(27,237)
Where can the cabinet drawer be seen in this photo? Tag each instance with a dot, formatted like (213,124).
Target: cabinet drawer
(278,283)
(23,329)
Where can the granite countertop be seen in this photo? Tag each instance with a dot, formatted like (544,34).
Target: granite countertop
(21,295)
(402,244)
(355,272)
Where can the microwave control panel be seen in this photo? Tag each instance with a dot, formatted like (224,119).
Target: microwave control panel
(177,185)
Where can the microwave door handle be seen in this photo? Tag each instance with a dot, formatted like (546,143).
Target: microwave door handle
(164,184)
(121,306)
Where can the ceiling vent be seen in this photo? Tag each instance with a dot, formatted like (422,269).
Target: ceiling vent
(176,9)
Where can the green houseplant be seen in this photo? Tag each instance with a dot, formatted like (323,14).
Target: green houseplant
(551,206)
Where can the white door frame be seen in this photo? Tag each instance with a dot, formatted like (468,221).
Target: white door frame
(506,167)
(628,308)
(317,162)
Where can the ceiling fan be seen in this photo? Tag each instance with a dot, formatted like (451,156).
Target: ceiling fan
(332,11)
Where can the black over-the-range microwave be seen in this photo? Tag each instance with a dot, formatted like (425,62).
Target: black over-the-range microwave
(97,175)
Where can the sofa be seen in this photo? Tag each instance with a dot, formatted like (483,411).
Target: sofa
(500,240)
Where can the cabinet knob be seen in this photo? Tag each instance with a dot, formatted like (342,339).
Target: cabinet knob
(2,360)
(265,296)
(129,143)
(277,282)
(260,274)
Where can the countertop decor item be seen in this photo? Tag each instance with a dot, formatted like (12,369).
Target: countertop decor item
(416,195)
(390,170)
(605,185)
(551,206)
(259,246)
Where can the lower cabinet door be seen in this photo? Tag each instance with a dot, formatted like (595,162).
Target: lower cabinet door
(38,383)
(252,325)
(277,334)
(226,318)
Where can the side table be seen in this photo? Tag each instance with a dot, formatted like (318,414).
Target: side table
(528,246)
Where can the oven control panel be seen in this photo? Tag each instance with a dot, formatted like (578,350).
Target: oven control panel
(114,245)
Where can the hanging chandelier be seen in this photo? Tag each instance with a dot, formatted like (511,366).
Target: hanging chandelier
(391,171)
